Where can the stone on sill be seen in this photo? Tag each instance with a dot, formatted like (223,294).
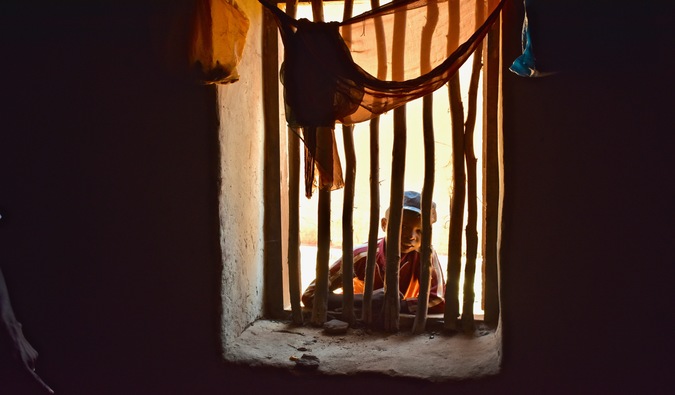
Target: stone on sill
(335,327)
(307,362)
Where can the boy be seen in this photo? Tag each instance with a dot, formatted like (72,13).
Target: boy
(409,266)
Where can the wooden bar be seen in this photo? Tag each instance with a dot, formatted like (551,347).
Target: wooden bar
(468,323)
(317,10)
(320,306)
(346,14)
(293,255)
(348,206)
(374,221)
(427,193)
(374,226)
(324,137)
(381,45)
(457,200)
(429,172)
(273,261)
(292,8)
(348,228)
(491,174)
(457,197)
(294,272)
(393,249)
(472,194)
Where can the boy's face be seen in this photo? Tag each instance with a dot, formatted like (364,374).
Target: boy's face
(411,231)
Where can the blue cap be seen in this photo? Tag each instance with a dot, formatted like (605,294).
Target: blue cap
(412,201)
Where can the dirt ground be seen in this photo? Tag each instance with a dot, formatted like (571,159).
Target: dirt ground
(433,355)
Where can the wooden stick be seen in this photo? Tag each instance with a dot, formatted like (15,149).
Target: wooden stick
(393,248)
(373,230)
(458,186)
(346,14)
(391,295)
(293,256)
(381,44)
(472,198)
(347,227)
(472,189)
(491,81)
(294,273)
(320,306)
(429,171)
(317,10)
(348,205)
(273,261)
(291,8)
(324,139)
(427,194)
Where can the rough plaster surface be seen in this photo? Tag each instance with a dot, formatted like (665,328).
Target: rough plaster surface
(430,356)
(241,209)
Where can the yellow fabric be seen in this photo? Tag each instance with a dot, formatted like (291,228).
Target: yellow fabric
(218,39)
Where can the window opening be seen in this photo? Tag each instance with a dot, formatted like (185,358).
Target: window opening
(270,342)
(414,172)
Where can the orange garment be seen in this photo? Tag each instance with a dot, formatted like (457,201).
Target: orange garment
(409,272)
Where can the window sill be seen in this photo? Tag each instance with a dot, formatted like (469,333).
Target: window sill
(431,356)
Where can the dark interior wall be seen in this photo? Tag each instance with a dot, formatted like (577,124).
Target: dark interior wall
(108,192)
(588,214)
(109,169)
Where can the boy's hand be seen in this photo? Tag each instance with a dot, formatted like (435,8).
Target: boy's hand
(378,301)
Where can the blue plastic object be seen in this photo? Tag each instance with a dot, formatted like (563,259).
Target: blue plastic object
(525,64)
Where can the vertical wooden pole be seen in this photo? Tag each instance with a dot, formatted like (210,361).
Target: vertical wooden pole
(294,273)
(472,189)
(491,81)
(274,297)
(324,137)
(374,226)
(367,313)
(391,296)
(317,10)
(348,205)
(393,247)
(458,185)
(320,305)
(347,227)
(429,172)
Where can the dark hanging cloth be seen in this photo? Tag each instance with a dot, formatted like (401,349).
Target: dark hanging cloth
(327,80)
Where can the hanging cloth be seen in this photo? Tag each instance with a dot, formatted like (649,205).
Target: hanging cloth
(328,80)
(525,64)
(218,36)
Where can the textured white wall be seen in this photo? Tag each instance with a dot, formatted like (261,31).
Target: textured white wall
(241,202)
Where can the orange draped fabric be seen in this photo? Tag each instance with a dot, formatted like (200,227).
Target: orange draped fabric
(218,38)
(328,80)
